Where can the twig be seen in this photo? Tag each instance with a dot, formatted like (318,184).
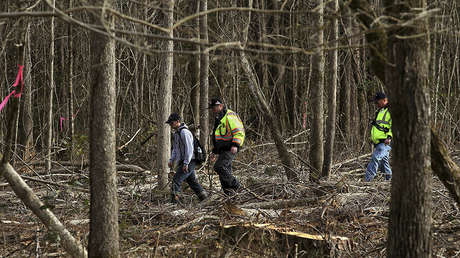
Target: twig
(56,184)
(130,140)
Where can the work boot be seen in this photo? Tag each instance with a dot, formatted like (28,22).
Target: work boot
(203,195)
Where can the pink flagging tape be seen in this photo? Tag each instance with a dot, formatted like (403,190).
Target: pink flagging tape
(5,100)
(19,78)
(16,95)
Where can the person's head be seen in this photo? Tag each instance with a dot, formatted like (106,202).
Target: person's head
(216,105)
(380,99)
(174,120)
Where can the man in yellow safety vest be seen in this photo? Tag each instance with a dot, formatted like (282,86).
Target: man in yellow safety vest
(227,137)
(381,136)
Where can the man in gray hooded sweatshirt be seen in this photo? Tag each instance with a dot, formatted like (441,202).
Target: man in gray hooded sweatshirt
(182,155)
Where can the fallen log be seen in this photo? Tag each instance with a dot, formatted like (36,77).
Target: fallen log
(28,197)
(272,240)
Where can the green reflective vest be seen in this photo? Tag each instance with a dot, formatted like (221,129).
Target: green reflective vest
(230,129)
(381,129)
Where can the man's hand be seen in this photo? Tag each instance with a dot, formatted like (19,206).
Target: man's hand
(185,168)
(234,150)
(387,141)
(212,157)
(170,164)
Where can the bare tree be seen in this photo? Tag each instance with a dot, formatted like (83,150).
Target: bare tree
(332,104)
(49,134)
(103,236)
(164,142)
(27,122)
(400,60)
(204,74)
(317,135)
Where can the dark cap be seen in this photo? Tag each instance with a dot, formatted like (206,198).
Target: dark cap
(379,95)
(173,117)
(214,102)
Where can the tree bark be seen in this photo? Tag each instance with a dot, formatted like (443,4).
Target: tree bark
(103,236)
(164,141)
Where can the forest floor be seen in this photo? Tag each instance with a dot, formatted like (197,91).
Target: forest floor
(269,217)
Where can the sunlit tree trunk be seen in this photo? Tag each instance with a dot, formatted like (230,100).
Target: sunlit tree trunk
(164,136)
(103,236)
(195,74)
(49,134)
(204,74)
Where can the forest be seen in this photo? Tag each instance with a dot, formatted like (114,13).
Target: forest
(87,89)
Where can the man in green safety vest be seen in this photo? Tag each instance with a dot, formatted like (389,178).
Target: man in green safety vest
(381,136)
(227,137)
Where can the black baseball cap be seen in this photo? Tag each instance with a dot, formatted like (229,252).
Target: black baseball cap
(214,102)
(379,95)
(173,117)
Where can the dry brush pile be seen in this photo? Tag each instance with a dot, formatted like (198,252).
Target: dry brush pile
(343,217)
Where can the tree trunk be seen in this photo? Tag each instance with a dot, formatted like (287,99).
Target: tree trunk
(103,236)
(195,74)
(164,141)
(317,135)
(70,112)
(410,208)
(271,120)
(26,114)
(404,69)
(49,134)
(204,74)
(332,105)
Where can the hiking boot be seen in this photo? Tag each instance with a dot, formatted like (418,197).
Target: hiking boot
(202,196)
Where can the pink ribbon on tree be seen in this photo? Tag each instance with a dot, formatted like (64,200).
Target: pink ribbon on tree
(16,95)
(62,119)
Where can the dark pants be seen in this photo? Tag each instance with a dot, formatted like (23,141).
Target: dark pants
(223,167)
(189,177)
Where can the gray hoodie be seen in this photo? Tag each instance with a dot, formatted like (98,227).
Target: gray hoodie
(182,145)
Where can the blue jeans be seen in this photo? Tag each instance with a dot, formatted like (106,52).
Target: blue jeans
(380,161)
(188,176)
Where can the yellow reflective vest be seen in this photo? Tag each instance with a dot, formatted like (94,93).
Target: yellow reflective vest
(228,132)
(381,126)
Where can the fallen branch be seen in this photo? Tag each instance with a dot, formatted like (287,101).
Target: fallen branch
(56,184)
(190,223)
(28,197)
